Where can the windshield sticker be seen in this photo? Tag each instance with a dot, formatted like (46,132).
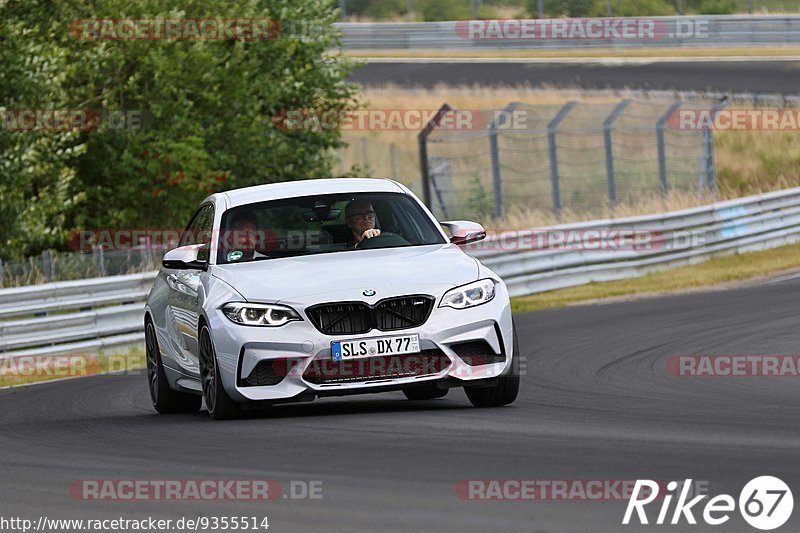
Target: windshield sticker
(235,256)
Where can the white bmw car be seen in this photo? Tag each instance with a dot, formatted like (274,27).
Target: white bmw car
(291,291)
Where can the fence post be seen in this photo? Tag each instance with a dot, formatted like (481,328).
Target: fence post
(2,273)
(340,154)
(97,252)
(365,155)
(494,150)
(540,8)
(708,166)
(393,159)
(47,265)
(607,123)
(551,142)
(145,255)
(662,155)
(94,260)
(423,153)
(680,7)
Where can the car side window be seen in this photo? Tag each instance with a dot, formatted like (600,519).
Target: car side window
(199,229)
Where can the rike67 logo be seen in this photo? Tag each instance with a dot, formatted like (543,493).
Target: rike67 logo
(765,503)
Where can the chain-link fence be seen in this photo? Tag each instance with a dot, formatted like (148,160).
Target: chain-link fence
(578,156)
(63,266)
(582,157)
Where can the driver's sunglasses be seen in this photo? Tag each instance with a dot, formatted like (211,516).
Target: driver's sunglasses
(363,216)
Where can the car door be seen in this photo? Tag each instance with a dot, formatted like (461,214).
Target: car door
(183,312)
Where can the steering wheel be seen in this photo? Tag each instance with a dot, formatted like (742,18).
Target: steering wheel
(384,240)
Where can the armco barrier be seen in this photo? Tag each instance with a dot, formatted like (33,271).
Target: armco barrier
(686,237)
(95,313)
(712,30)
(73,316)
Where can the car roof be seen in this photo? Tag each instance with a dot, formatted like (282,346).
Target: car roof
(291,189)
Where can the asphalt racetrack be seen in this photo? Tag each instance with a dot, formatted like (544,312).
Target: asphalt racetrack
(766,77)
(596,404)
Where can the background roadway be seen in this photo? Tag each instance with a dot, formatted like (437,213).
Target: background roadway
(781,76)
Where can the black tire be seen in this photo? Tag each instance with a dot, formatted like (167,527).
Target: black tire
(218,403)
(165,400)
(507,388)
(429,391)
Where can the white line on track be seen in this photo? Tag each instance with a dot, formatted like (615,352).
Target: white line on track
(784,278)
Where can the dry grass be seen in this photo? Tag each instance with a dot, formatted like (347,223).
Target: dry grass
(748,162)
(122,359)
(714,271)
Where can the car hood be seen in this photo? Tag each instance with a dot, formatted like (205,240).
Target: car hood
(343,276)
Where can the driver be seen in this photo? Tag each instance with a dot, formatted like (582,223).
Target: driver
(360,218)
(243,238)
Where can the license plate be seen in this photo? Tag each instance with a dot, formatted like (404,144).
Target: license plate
(358,348)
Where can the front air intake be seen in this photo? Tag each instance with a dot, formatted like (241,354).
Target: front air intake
(348,318)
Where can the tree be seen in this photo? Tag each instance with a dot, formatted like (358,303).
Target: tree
(207,109)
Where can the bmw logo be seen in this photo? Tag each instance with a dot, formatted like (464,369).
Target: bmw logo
(368,292)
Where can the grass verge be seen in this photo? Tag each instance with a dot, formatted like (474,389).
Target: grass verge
(715,271)
(22,371)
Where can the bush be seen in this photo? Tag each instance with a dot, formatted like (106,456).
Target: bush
(633,8)
(385,9)
(562,8)
(716,7)
(431,10)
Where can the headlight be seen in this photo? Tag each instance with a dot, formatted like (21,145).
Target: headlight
(469,295)
(260,314)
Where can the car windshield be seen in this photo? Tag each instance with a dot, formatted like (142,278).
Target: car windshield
(323,224)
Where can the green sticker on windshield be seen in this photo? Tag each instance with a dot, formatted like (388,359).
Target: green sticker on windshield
(235,256)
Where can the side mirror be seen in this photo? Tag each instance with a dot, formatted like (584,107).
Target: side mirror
(464,232)
(189,257)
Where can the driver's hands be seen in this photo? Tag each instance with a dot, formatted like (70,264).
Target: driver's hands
(374,232)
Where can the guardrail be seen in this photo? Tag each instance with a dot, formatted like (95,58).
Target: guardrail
(673,239)
(719,30)
(73,316)
(83,315)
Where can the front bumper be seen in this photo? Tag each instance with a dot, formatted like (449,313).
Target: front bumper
(298,351)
